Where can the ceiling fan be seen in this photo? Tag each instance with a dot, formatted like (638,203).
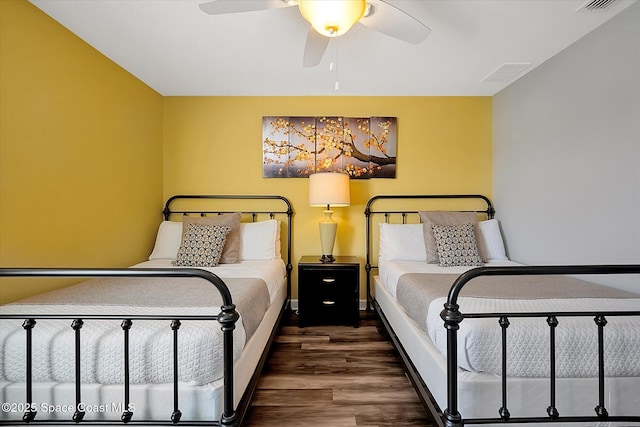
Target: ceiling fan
(332,18)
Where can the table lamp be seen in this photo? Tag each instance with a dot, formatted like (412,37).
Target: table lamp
(328,189)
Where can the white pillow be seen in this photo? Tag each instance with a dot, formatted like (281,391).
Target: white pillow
(260,240)
(492,239)
(402,242)
(167,240)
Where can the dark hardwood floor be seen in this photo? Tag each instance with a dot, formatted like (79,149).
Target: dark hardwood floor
(334,376)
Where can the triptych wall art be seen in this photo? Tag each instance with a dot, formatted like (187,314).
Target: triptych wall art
(363,147)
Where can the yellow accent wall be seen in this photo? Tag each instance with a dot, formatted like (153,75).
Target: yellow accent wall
(80,153)
(214,145)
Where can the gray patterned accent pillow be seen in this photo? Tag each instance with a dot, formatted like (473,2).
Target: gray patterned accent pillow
(231,251)
(429,218)
(201,245)
(456,245)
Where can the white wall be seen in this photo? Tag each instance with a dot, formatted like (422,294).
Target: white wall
(567,154)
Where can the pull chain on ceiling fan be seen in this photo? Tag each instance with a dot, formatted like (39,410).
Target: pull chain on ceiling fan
(332,18)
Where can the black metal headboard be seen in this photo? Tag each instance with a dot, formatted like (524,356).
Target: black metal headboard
(369,212)
(265,205)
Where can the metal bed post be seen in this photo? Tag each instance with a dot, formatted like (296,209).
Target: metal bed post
(601,411)
(552,321)
(228,320)
(126,414)
(504,411)
(30,413)
(452,318)
(367,263)
(176,414)
(78,414)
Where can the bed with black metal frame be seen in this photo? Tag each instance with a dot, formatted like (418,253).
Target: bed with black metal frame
(122,407)
(450,393)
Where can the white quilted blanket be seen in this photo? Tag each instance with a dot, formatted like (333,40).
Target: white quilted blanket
(151,342)
(151,346)
(479,340)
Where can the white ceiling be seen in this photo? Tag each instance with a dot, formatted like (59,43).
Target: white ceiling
(178,50)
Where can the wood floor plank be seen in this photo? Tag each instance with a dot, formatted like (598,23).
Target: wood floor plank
(375,396)
(334,376)
(348,346)
(331,381)
(300,417)
(293,397)
(302,338)
(390,415)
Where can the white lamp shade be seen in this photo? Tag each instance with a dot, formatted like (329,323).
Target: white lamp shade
(329,189)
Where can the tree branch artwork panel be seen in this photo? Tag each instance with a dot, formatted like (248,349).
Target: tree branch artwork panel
(363,147)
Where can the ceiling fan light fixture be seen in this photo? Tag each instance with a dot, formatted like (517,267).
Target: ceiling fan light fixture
(332,18)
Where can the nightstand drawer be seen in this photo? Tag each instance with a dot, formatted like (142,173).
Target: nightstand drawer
(330,278)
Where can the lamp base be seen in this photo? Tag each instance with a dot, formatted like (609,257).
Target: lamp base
(327,259)
(327,237)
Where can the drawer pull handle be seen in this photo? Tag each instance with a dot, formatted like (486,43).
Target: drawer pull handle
(328,302)
(328,280)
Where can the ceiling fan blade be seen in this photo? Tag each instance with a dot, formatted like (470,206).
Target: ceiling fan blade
(221,7)
(396,23)
(315,48)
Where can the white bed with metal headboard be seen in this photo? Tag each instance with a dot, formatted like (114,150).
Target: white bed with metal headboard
(410,296)
(177,364)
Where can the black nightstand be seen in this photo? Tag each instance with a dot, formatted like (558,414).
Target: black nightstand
(329,293)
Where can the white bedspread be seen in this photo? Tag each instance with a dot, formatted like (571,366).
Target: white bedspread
(390,271)
(273,272)
(102,356)
(200,342)
(528,339)
(479,340)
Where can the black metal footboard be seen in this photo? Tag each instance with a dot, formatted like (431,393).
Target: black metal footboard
(227,319)
(452,318)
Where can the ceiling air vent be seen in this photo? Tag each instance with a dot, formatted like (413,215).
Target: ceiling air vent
(506,72)
(596,5)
